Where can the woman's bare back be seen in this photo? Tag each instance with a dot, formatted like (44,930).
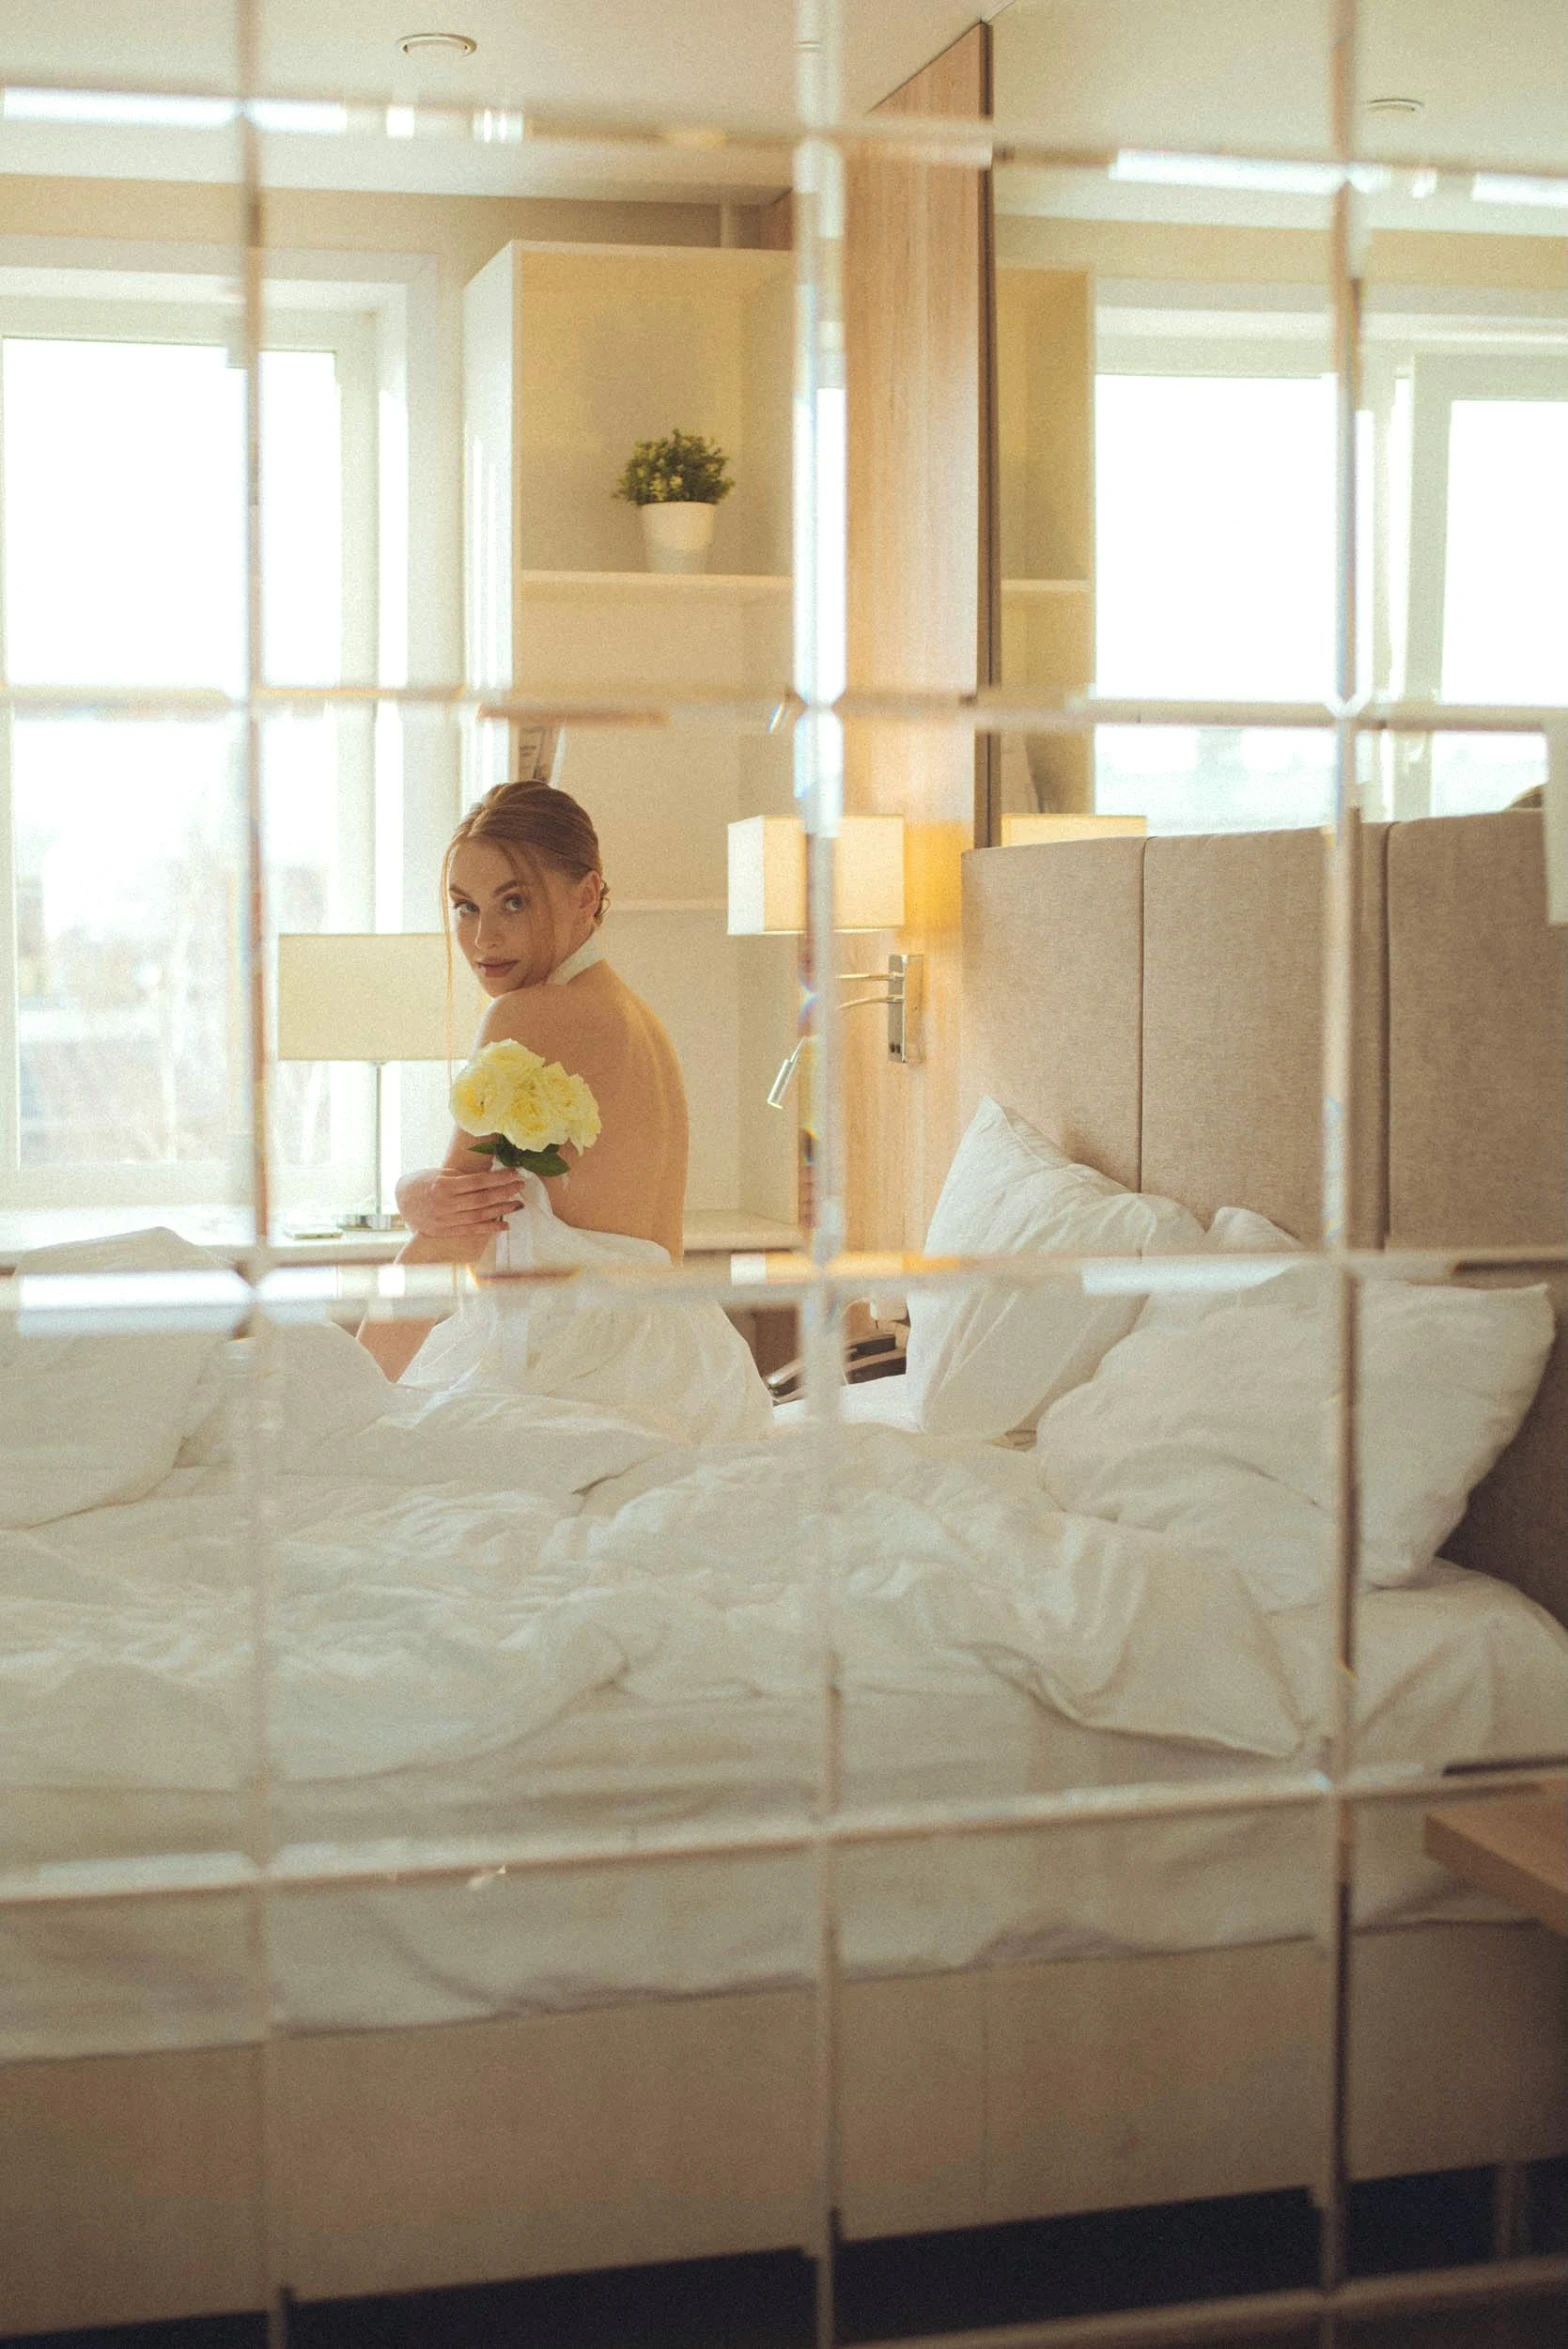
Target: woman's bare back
(633,1180)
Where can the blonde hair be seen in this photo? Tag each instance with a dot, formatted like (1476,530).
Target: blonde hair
(536,828)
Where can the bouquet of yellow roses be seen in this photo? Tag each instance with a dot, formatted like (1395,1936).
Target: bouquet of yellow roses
(524,1107)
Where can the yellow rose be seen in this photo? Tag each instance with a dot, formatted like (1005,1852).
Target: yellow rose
(582,1115)
(575,1108)
(554,1084)
(508,1090)
(483,1091)
(528,1118)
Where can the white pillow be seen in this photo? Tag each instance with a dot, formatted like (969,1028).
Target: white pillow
(1235,1231)
(93,1418)
(1241,1231)
(1217,1429)
(984,1361)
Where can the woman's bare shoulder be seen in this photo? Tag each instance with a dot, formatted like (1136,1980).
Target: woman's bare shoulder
(546,1019)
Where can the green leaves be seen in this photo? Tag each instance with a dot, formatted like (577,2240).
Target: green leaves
(685,469)
(539,1162)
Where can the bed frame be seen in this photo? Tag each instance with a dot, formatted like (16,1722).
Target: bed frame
(1172,991)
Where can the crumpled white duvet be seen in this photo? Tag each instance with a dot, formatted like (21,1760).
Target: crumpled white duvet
(446,1573)
(480,1611)
(413,1624)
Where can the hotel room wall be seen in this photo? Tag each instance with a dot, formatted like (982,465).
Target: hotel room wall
(463,231)
(1280,256)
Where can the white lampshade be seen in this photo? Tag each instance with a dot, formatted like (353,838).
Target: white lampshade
(353,996)
(1022,831)
(767,886)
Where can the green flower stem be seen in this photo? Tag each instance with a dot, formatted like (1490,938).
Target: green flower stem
(538,1162)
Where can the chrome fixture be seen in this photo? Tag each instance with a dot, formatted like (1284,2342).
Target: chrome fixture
(779,1090)
(903,991)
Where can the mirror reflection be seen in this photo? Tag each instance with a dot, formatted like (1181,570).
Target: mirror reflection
(814,1591)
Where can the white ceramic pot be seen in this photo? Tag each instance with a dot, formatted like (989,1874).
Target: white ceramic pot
(677,537)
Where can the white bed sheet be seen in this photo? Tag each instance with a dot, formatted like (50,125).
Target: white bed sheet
(123,1689)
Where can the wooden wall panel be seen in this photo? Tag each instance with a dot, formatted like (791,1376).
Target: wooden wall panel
(915,316)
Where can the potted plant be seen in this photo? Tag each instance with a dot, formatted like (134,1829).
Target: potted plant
(675,484)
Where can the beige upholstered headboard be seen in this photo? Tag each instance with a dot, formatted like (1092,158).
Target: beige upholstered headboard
(1156,1008)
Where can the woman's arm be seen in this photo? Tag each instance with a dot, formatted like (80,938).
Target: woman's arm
(460,1206)
(454,1212)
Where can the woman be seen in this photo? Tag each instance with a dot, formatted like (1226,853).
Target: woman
(525,884)
(524,881)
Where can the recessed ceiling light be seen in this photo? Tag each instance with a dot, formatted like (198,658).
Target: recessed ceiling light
(1396,106)
(414,44)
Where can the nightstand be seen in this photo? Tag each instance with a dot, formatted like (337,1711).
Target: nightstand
(1512,1845)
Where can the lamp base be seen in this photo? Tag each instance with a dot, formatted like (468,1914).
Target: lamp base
(371,1223)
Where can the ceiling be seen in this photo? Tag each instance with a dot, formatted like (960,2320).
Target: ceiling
(1253,74)
(684,62)
(1240,75)
(724,57)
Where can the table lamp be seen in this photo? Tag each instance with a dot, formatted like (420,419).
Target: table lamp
(386,997)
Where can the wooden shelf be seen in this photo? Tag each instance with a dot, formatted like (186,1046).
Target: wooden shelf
(732,1231)
(1515,1846)
(742,587)
(1029,590)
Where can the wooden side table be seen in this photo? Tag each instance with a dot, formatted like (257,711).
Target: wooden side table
(1512,1845)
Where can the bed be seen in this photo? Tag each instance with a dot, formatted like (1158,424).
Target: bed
(494,2075)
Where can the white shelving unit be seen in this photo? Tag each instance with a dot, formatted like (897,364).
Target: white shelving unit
(571,354)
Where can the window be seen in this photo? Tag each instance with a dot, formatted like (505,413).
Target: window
(121,504)
(1488,614)
(1214,472)
(1215,576)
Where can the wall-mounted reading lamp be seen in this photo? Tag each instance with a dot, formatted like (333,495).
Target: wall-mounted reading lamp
(767,898)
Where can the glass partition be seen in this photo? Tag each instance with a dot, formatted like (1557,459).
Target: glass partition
(847,1687)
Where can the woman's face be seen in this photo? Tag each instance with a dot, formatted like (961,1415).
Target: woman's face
(511,930)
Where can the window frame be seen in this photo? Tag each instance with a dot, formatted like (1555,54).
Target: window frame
(189,308)
(1459,345)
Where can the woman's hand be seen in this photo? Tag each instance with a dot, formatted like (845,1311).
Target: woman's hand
(461,1208)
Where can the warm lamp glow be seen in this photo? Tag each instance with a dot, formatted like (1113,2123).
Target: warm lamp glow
(767,883)
(869,875)
(1024,831)
(354,996)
